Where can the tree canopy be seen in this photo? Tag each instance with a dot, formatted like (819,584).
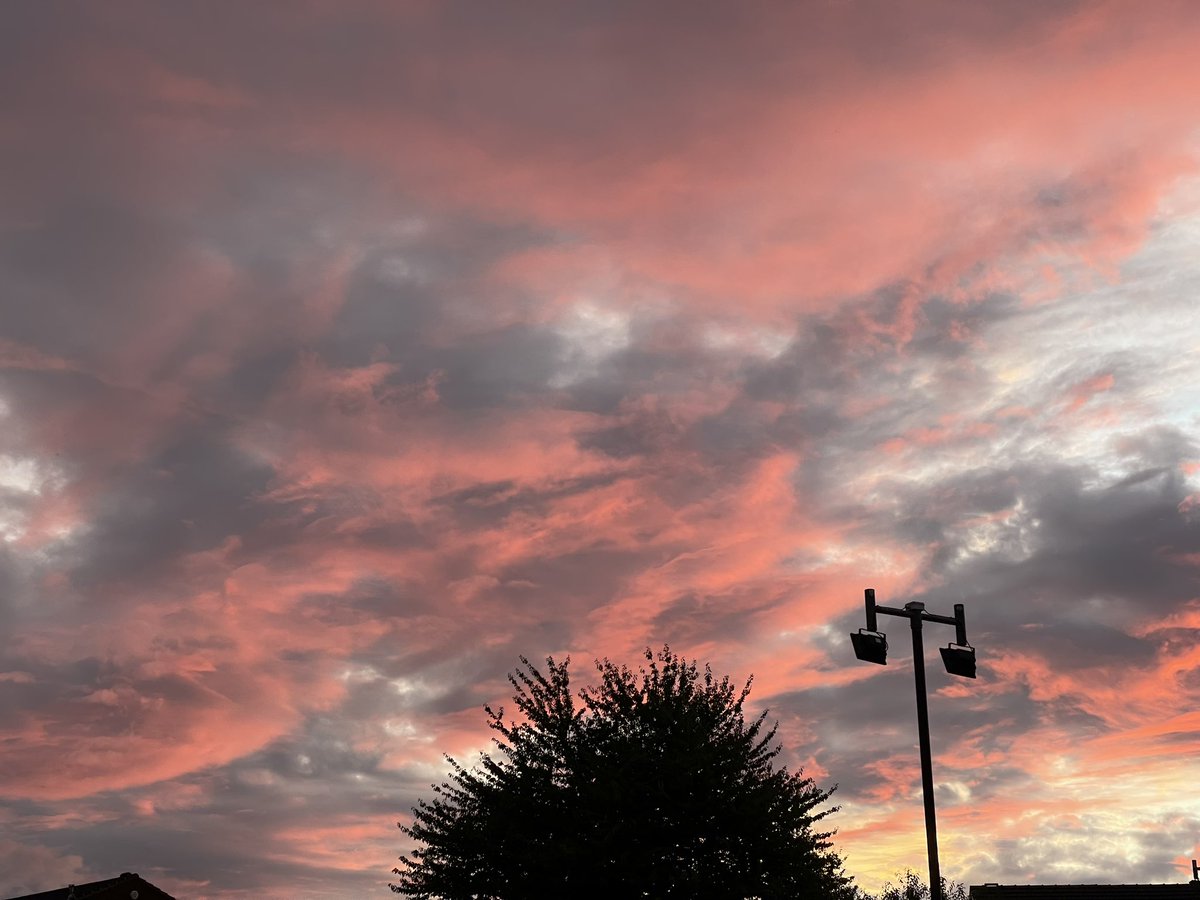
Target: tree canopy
(910,886)
(652,784)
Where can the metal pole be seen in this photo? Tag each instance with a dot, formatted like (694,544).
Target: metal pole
(935,873)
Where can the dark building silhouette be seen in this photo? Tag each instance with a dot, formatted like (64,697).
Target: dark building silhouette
(1187,891)
(127,886)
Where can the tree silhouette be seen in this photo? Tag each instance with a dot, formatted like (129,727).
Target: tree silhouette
(651,785)
(910,886)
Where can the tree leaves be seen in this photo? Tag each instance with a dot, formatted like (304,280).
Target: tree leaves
(651,784)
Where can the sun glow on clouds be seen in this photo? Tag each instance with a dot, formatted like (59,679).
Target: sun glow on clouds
(338,375)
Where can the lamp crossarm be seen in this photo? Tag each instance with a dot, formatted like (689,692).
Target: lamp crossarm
(911,613)
(916,614)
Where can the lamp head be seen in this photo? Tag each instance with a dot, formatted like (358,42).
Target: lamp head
(870,646)
(959,660)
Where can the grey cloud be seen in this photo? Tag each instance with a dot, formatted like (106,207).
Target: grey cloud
(313,778)
(693,619)
(576,68)
(1079,542)
(191,495)
(510,366)
(84,275)
(857,725)
(621,378)
(239,850)
(1081,852)
(427,268)
(28,867)
(1124,545)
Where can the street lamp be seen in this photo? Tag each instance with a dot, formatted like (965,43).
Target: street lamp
(870,645)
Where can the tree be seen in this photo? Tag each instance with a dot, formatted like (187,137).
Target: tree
(910,886)
(651,785)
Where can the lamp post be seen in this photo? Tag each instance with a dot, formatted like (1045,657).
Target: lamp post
(870,645)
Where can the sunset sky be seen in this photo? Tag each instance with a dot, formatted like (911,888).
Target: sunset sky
(351,350)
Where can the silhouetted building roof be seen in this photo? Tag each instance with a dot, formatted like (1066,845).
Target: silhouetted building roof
(1187,891)
(127,886)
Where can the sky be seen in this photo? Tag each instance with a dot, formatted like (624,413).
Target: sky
(350,351)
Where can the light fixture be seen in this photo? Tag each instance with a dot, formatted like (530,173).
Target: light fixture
(959,660)
(870,646)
